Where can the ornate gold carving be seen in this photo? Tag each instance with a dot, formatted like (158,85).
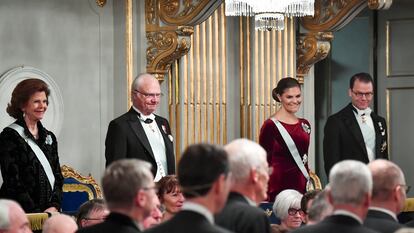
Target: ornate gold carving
(101,3)
(310,49)
(332,15)
(70,172)
(169,25)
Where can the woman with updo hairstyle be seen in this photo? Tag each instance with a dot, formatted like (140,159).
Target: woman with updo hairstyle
(170,195)
(29,159)
(286,173)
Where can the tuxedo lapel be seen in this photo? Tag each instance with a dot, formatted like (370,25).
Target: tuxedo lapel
(352,124)
(136,126)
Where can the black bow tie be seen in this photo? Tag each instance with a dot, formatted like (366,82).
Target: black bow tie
(146,121)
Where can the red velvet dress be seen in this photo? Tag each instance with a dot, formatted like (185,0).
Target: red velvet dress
(286,174)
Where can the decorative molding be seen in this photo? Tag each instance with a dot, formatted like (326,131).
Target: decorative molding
(330,16)
(311,48)
(169,25)
(101,3)
(69,172)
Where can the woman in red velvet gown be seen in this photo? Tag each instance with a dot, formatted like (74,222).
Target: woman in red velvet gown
(286,173)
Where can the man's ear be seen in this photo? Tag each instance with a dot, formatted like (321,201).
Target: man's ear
(140,198)
(254,175)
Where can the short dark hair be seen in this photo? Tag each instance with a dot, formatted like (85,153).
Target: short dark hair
(362,77)
(282,85)
(89,206)
(309,195)
(167,184)
(22,93)
(199,167)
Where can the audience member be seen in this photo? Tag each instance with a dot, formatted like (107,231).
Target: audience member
(349,192)
(12,218)
(355,132)
(91,212)
(59,223)
(140,133)
(129,191)
(250,174)
(319,209)
(170,196)
(287,208)
(203,172)
(306,202)
(154,218)
(388,196)
(29,158)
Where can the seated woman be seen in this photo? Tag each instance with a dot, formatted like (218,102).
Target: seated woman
(287,208)
(170,196)
(28,151)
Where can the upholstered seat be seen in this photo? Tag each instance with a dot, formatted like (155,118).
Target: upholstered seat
(77,189)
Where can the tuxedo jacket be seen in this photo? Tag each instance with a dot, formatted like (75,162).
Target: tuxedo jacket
(126,138)
(381,222)
(336,224)
(187,221)
(343,138)
(115,222)
(239,216)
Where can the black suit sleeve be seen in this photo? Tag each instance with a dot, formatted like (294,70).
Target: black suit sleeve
(115,143)
(331,143)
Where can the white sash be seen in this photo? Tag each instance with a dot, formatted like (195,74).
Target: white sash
(292,148)
(38,152)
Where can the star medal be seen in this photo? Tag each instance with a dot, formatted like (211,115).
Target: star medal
(305,159)
(306,128)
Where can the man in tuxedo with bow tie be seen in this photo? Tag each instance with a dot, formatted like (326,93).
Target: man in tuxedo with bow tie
(140,133)
(355,132)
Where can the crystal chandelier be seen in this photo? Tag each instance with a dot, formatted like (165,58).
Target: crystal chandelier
(270,14)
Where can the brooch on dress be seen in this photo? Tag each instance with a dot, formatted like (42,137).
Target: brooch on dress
(306,128)
(49,140)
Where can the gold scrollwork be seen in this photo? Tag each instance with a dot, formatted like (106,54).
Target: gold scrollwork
(169,25)
(310,49)
(70,172)
(101,3)
(332,15)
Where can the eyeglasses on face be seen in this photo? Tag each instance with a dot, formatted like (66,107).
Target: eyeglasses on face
(361,94)
(95,219)
(149,188)
(150,95)
(293,211)
(406,187)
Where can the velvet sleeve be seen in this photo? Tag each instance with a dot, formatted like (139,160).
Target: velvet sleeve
(56,197)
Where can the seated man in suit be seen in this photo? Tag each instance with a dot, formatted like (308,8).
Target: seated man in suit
(203,173)
(60,223)
(249,169)
(388,196)
(91,212)
(129,191)
(13,219)
(140,133)
(349,192)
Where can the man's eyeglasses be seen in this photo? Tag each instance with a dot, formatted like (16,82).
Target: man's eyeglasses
(96,219)
(406,187)
(360,94)
(149,188)
(293,211)
(150,95)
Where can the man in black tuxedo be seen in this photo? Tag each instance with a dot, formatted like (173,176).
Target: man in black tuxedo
(355,132)
(349,192)
(388,196)
(140,133)
(203,173)
(249,169)
(130,194)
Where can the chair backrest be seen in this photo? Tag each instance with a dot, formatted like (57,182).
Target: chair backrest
(36,221)
(77,189)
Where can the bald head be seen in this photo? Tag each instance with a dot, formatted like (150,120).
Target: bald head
(12,218)
(386,175)
(60,223)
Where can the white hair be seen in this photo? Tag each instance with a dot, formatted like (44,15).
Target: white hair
(135,84)
(245,155)
(288,198)
(349,182)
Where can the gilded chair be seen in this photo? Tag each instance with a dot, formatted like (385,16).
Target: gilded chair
(36,221)
(77,189)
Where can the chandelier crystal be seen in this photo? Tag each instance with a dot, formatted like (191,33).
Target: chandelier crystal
(270,14)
